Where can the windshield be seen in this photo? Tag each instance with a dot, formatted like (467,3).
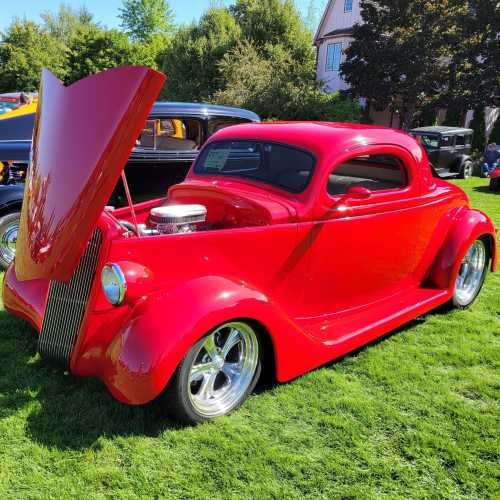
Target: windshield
(280,165)
(427,140)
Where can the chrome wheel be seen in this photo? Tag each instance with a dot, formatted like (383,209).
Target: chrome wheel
(467,170)
(471,274)
(223,369)
(8,239)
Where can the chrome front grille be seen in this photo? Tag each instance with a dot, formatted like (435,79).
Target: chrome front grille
(66,305)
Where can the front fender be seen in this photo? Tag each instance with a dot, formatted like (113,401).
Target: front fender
(162,328)
(468,225)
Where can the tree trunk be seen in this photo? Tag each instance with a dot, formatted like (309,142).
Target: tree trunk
(408,116)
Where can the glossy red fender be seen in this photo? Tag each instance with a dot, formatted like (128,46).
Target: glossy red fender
(468,225)
(82,139)
(143,356)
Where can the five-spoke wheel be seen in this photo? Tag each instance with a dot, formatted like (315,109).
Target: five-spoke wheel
(471,274)
(217,374)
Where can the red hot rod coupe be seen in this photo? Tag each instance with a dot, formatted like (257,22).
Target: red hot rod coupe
(289,242)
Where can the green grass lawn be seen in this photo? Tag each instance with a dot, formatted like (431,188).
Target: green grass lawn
(415,414)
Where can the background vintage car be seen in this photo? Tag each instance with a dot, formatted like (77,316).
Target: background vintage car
(288,245)
(163,153)
(495,180)
(448,149)
(9,105)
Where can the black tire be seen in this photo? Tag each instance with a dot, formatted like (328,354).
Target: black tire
(9,225)
(495,184)
(464,301)
(177,399)
(467,170)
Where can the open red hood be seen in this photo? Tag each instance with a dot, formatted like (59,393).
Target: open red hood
(82,139)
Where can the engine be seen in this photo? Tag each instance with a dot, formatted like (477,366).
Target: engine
(174,219)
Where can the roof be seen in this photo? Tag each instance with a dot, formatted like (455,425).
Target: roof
(442,130)
(201,109)
(338,32)
(324,139)
(323,19)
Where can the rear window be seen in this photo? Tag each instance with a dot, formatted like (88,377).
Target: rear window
(280,165)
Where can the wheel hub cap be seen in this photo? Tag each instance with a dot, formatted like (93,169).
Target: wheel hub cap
(471,272)
(8,240)
(223,369)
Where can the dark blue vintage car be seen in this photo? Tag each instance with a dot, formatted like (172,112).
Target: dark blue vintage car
(165,149)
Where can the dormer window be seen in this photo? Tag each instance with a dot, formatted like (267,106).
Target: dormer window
(347,5)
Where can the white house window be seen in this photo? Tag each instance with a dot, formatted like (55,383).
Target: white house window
(347,5)
(333,54)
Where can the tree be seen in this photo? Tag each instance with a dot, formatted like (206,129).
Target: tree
(146,19)
(315,11)
(269,23)
(26,49)
(190,61)
(94,50)
(474,76)
(67,22)
(400,56)
(278,87)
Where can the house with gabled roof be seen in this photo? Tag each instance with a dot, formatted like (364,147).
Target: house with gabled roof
(334,35)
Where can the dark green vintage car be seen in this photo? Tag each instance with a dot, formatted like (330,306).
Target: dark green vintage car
(448,149)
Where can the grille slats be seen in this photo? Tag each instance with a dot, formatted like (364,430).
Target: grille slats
(66,305)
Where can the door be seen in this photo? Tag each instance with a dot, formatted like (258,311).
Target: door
(447,157)
(365,251)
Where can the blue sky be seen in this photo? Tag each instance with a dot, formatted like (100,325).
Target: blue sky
(105,11)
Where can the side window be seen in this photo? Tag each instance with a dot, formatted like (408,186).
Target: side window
(347,5)
(333,55)
(171,134)
(375,172)
(220,123)
(468,140)
(460,140)
(447,141)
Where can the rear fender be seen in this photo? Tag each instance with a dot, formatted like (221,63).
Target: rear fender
(162,328)
(467,227)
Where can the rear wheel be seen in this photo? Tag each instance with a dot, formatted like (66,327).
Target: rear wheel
(471,274)
(9,227)
(495,184)
(467,170)
(217,374)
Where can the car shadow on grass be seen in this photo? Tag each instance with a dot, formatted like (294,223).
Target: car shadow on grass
(67,412)
(484,189)
(63,411)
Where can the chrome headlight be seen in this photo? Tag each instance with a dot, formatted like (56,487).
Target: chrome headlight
(113,284)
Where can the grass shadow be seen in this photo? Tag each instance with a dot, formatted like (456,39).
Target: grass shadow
(484,189)
(63,411)
(68,412)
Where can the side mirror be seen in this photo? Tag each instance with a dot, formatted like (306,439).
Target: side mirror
(358,193)
(353,193)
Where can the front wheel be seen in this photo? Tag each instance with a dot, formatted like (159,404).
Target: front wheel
(495,184)
(471,275)
(467,170)
(9,227)
(217,374)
